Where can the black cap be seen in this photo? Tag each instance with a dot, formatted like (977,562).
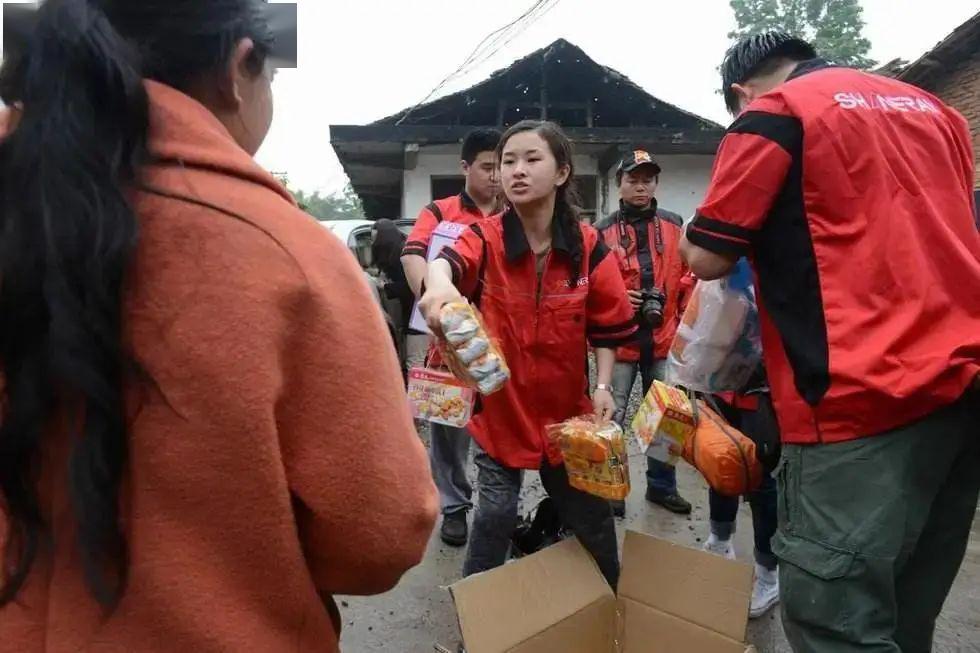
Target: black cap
(637,159)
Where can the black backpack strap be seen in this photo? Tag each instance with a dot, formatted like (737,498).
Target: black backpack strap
(436,211)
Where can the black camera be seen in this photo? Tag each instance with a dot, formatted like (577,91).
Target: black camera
(650,314)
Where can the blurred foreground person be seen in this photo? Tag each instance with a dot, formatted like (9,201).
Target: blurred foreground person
(200,400)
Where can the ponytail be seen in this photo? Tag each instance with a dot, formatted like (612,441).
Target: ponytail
(68,237)
(567,209)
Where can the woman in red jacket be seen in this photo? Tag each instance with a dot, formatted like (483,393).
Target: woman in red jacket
(547,287)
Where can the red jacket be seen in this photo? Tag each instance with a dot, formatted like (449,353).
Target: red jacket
(460,209)
(543,327)
(650,239)
(853,196)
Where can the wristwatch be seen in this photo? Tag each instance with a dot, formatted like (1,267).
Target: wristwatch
(604,386)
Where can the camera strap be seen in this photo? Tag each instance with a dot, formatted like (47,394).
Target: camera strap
(658,234)
(644,256)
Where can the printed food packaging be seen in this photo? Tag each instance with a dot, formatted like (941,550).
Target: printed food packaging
(664,422)
(595,456)
(440,397)
(469,351)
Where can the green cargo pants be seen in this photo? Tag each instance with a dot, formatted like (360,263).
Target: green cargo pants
(872,533)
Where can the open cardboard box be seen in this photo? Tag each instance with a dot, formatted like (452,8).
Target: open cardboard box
(672,599)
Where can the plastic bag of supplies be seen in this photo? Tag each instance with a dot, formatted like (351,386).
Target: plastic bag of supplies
(718,344)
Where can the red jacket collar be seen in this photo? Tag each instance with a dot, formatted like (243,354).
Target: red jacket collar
(184,132)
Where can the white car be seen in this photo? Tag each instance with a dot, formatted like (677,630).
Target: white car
(357,235)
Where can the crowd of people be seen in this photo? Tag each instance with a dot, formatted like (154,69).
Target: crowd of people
(205,434)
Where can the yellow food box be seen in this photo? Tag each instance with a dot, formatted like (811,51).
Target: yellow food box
(665,420)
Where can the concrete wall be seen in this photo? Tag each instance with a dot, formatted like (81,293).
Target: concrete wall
(682,183)
(959,86)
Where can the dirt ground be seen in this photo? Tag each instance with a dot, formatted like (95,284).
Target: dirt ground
(419,613)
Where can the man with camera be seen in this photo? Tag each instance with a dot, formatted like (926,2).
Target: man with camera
(645,240)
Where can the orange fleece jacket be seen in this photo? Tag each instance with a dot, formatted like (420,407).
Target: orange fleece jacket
(273,461)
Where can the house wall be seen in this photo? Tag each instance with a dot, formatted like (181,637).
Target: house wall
(959,86)
(682,183)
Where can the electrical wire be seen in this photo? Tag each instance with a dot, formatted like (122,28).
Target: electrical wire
(478,55)
(546,9)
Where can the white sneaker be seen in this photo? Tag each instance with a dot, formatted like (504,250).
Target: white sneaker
(723,548)
(765,591)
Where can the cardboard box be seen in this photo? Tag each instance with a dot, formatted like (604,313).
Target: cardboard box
(664,422)
(672,599)
(439,397)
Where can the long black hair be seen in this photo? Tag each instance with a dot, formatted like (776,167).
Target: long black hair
(566,198)
(386,250)
(67,237)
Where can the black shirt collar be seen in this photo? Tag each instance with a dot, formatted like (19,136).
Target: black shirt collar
(515,242)
(467,201)
(632,214)
(809,66)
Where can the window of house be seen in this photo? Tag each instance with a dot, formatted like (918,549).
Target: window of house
(569,116)
(446,186)
(588,193)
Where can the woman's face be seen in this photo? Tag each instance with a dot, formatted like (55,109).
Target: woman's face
(528,169)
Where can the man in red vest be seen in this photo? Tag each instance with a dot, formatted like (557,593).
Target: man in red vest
(645,240)
(449,447)
(852,196)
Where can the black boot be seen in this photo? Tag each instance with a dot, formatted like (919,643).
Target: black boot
(455,530)
(672,501)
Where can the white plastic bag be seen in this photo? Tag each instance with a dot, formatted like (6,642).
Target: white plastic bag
(717,346)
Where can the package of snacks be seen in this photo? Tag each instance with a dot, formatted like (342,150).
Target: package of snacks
(666,419)
(468,350)
(439,397)
(595,456)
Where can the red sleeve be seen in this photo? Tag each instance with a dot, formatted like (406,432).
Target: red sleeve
(749,172)
(465,258)
(609,315)
(418,241)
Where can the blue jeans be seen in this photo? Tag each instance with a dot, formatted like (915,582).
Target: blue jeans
(449,450)
(661,477)
(724,509)
(498,496)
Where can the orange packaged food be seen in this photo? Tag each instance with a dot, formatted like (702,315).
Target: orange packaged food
(725,456)
(595,456)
